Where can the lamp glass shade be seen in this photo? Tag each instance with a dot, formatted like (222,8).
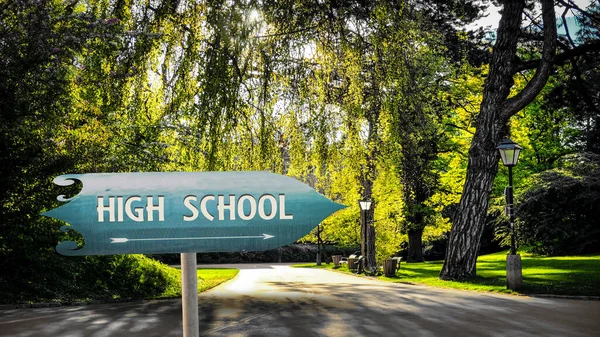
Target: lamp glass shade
(365,205)
(509,152)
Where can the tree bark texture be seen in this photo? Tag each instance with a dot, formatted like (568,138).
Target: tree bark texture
(363,231)
(370,263)
(415,245)
(495,110)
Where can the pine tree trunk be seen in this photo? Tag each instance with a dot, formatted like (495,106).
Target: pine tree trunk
(415,243)
(469,221)
(495,110)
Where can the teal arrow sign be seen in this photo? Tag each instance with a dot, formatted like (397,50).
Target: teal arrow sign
(183,212)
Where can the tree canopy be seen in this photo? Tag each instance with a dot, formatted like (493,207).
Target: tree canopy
(394,101)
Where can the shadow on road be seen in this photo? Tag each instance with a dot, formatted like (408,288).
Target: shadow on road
(277,301)
(153,318)
(380,310)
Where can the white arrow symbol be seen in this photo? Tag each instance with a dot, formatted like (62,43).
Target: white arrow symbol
(123,240)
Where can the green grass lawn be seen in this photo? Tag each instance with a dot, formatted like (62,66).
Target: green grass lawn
(571,275)
(210,278)
(207,279)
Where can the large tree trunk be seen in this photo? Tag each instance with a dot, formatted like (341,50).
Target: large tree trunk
(495,111)
(463,245)
(415,243)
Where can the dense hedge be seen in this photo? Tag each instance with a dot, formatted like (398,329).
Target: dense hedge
(44,276)
(560,214)
(67,279)
(289,253)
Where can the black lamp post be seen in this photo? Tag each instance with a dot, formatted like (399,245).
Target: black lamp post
(509,151)
(365,206)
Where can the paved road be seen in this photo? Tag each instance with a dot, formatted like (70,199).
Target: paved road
(275,300)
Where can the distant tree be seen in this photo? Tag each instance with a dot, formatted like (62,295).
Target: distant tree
(417,108)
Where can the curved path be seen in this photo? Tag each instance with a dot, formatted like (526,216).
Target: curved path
(276,300)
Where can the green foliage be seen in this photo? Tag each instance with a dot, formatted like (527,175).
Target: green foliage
(559,213)
(62,279)
(357,99)
(464,97)
(389,214)
(136,276)
(64,94)
(130,87)
(550,129)
(417,108)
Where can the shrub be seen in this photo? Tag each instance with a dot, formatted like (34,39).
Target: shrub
(137,276)
(291,253)
(55,278)
(559,214)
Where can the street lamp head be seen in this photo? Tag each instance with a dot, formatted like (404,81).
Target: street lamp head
(509,151)
(365,205)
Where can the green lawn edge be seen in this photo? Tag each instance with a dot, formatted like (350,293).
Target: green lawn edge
(563,276)
(208,278)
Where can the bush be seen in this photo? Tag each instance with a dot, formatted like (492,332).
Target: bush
(559,214)
(434,250)
(290,253)
(55,278)
(137,277)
